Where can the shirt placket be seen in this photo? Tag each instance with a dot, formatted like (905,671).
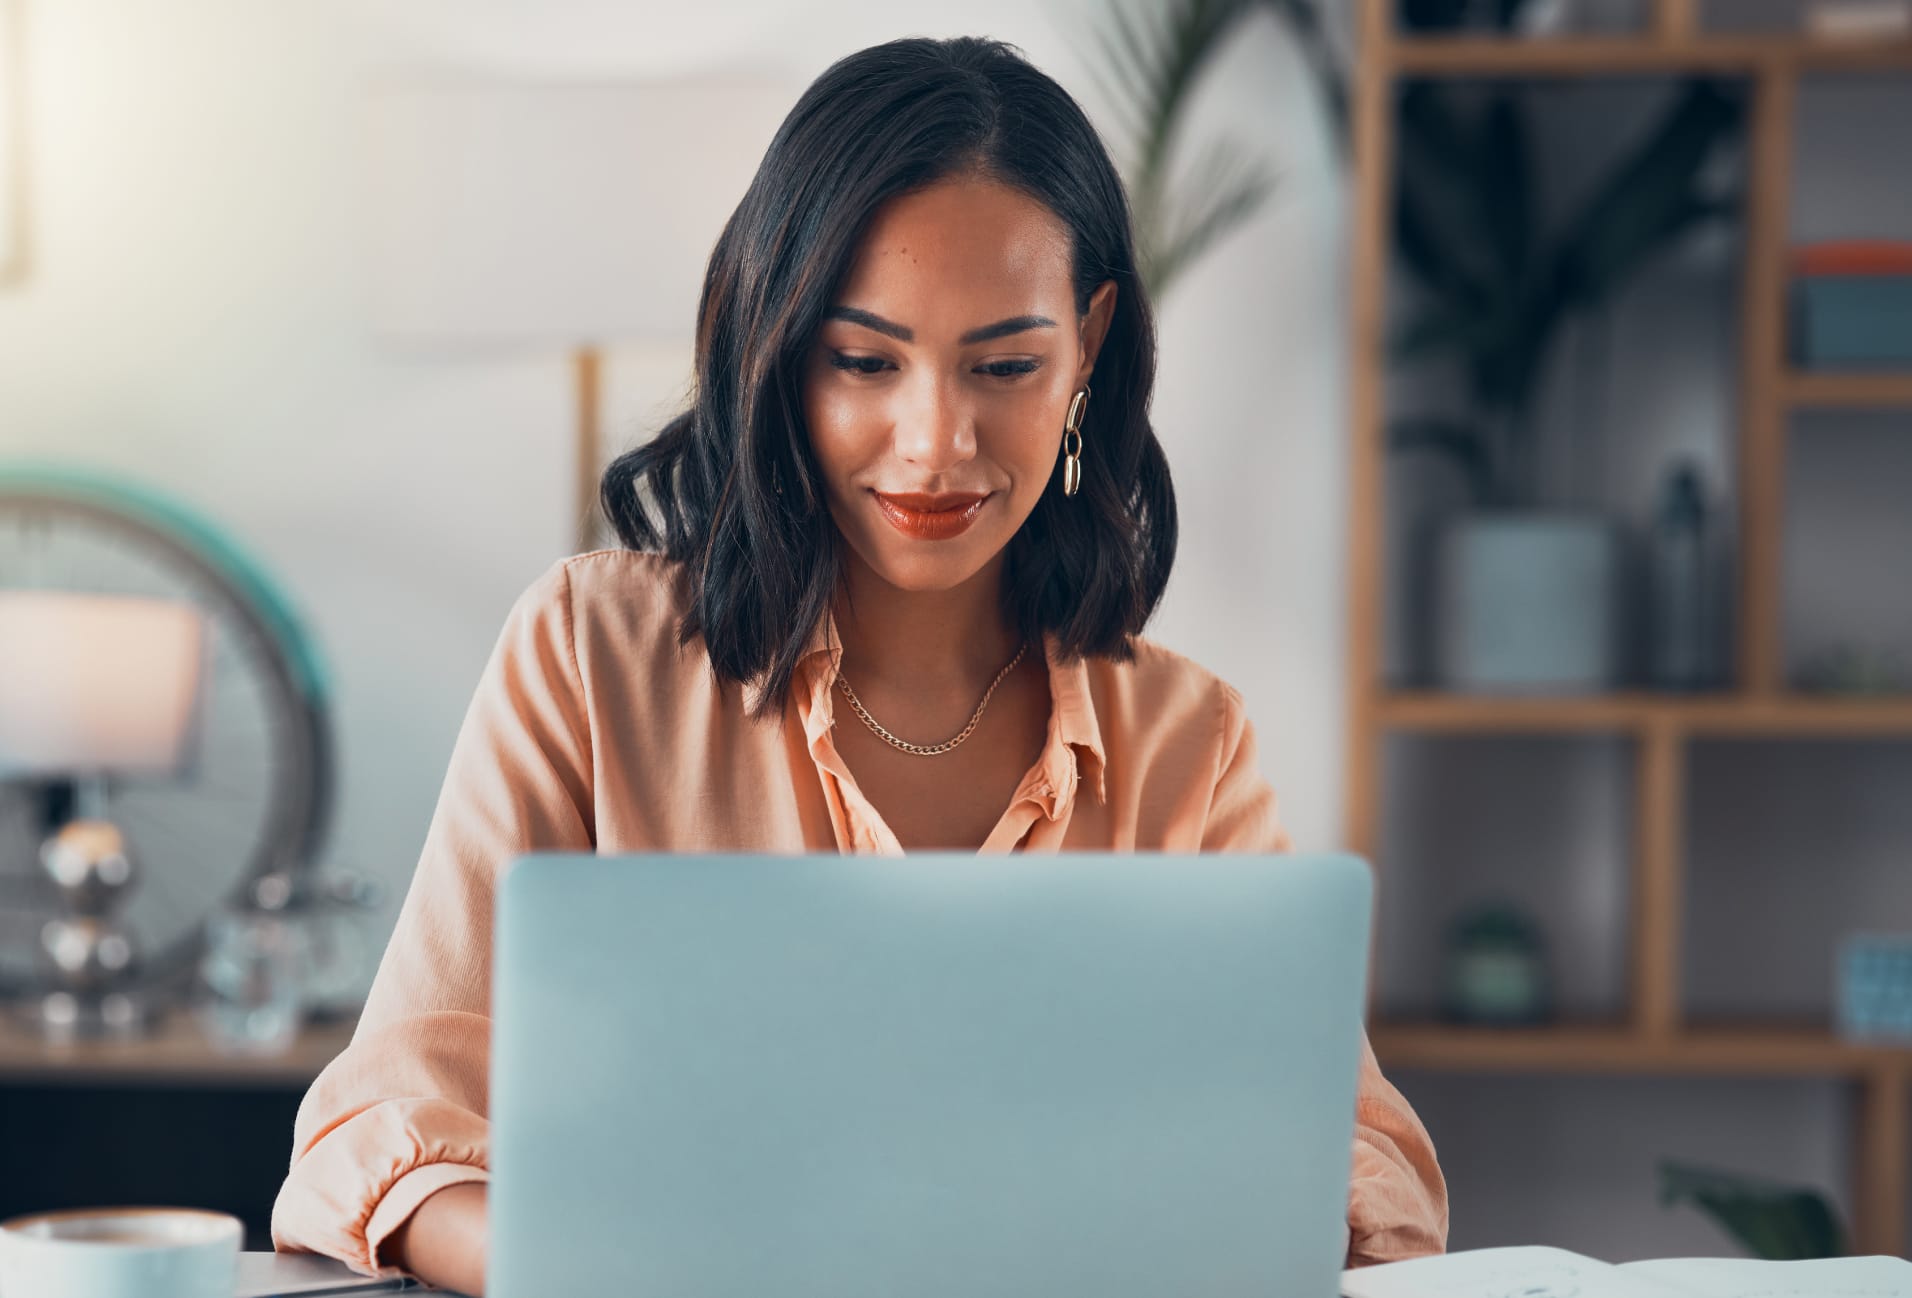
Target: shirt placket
(1045,794)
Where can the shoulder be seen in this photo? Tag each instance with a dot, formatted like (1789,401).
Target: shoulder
(608,589)
(609,607)
(1167,680)
(1162,696)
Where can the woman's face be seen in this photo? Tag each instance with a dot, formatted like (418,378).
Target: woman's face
(941,377)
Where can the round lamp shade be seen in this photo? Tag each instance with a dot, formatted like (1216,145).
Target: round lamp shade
(93,683)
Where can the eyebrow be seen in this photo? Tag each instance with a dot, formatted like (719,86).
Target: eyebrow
(903,333)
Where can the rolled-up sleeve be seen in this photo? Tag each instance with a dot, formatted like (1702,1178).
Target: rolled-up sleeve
(1397,1196)
(401,1113)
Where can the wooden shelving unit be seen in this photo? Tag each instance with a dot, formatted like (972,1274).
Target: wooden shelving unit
(1654,1038)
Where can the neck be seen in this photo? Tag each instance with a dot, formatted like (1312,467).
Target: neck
(956,639)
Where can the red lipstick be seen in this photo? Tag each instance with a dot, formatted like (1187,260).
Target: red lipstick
(931,518)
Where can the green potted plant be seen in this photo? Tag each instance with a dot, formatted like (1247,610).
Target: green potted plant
(1526,592)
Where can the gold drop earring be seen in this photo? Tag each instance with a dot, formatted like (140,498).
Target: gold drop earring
(1072,454)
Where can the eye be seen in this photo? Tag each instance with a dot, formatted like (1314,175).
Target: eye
(1009,371)
(858,364)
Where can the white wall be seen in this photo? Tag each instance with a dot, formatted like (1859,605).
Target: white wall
(195,317)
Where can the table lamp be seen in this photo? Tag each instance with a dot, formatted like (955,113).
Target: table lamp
(522,216)
(93,688)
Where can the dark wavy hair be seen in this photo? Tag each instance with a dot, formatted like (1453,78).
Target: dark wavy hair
(761,565)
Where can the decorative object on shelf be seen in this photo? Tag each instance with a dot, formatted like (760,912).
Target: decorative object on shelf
(1528,603)
(93,687)
(1496,969)
(1875,987)
(1773,1220)
(1852,305)
(1680,635)
(1498,286)
(209,804)
(1855,670)
(1860,20)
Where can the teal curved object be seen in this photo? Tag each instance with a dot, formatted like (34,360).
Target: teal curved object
(217,549)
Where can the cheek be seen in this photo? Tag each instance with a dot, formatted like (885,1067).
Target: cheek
(836,428)
(1028,432)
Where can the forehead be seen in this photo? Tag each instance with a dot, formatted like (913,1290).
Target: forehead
(933,258)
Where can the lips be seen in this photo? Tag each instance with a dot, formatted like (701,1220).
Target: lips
(931,518)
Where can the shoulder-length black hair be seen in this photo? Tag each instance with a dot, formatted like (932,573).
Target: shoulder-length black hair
(761,564)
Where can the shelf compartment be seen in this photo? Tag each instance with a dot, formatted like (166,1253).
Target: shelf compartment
(1544,822)
(1792,847)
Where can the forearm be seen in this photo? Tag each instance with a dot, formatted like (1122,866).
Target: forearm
(443,1242)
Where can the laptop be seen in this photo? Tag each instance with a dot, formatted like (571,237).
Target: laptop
(934,1076)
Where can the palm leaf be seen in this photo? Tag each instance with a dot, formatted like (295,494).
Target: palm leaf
(1460,442)
(1441,205)
(1226,187)
(1507,184)
(1774,1221)
(1305,28)
(1153,59)
(1650,198)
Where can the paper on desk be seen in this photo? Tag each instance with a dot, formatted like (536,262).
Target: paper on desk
(1846,1277)
(1556,1273)
(1531,1272)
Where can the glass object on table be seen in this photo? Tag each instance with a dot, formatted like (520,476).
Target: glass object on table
(255,972)
(339,908)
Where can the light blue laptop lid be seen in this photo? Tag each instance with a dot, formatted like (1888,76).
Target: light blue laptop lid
(1076,1076)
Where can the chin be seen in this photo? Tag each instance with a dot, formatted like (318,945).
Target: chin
(923,567)
(928,573)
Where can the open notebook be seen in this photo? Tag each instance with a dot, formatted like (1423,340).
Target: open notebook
(1556,1273)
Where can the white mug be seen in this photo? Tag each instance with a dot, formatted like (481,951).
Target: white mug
(120,1253)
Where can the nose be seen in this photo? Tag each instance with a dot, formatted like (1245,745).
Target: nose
(935,426)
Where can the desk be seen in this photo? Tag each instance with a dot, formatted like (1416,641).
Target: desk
(162,1119)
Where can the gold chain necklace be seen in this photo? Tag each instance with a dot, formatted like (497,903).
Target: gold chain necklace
(929,750)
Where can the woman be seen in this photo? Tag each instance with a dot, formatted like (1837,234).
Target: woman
(916,492)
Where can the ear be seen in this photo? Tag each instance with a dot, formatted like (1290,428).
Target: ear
(1093,327)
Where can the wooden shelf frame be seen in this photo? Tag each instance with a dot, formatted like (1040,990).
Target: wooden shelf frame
(1808,390)
(1653,1038)
(1777,716)
(1730,1050)
(1626,56)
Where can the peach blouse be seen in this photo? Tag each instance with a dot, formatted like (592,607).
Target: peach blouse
(593,728)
